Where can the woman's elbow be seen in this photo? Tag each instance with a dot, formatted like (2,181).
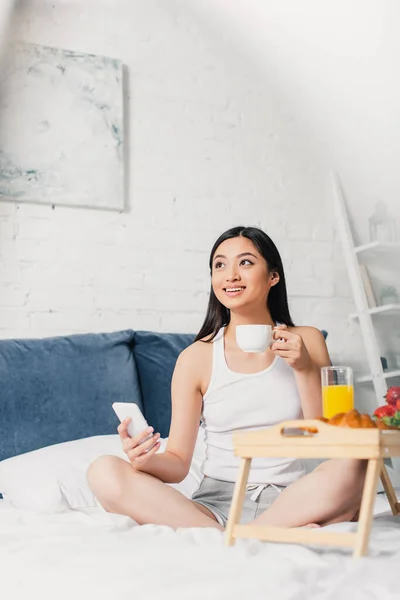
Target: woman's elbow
(180,470)
(183,473)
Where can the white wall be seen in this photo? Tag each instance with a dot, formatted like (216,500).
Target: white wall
(336,63)
(211,145)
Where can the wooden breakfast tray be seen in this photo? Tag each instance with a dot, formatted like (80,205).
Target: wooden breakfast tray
(289,439)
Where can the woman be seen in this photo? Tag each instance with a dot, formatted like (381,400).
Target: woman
(232,390)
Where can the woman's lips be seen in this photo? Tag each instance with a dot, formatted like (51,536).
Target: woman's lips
(234,291)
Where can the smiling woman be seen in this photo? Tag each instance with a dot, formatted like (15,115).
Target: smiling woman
(232,390)
(258,266)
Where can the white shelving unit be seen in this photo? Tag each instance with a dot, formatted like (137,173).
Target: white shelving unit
(386,309)
(366,315)
(374,247)
(386,375)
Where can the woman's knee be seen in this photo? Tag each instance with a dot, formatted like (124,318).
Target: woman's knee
(106,478)
(349,472)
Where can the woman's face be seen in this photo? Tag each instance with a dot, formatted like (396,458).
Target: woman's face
(240,275)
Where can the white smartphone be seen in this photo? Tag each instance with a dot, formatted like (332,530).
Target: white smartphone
(138,423)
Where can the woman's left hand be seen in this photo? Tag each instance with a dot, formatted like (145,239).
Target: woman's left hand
(292,348)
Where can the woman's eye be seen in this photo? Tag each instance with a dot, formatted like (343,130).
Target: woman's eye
(218,265)
(245,262)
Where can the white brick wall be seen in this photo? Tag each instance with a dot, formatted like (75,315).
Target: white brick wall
(209,147)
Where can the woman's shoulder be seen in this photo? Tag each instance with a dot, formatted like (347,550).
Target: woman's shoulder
(196,352)
(307,330)
(195,361)
(315,343)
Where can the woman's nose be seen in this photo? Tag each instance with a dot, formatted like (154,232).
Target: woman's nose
(232,276)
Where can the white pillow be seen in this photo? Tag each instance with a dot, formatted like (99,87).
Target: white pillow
(53,479)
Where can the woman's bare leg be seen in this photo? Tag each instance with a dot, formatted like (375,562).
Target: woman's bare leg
(144,498)
(330,494)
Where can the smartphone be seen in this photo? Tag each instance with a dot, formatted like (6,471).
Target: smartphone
(138,423)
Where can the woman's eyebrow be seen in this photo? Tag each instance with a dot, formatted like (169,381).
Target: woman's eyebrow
(238,256)
(246,254)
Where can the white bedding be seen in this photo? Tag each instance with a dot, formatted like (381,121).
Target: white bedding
(89,554)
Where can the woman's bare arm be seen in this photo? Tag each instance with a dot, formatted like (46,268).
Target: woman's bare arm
(173,465)
(309,379)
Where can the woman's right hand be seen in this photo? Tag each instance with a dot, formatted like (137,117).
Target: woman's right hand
(136,450)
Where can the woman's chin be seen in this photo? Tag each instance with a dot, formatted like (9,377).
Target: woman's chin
(234,303)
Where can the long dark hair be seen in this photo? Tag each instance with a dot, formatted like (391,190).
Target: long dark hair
(218,315)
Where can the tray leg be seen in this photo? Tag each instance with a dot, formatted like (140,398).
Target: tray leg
(390,493)
(367,506)
(237,500)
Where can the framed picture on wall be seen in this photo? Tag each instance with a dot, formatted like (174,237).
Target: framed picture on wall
(61,127)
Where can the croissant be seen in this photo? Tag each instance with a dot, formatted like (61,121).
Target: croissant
(352,419)
(337,419)
(356,420)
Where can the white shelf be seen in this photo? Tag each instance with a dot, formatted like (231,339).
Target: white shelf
(385,309)
(378,247)
(386,375)
(356,257)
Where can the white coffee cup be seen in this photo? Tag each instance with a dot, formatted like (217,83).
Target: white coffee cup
(253,338)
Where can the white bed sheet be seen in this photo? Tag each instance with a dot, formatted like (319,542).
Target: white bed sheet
(91,554)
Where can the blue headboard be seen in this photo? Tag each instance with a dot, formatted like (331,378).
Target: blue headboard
(58,389)
(54,390)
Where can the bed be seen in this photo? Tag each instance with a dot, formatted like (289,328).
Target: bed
(88,553)
(57,542)
(74,549)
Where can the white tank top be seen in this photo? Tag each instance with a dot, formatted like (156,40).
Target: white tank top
(245,402)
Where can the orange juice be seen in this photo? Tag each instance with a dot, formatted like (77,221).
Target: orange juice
(337,399)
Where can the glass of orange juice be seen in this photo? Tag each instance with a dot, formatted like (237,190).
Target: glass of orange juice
(337,390)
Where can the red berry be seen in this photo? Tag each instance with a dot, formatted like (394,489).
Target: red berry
(385,411)
(393,395)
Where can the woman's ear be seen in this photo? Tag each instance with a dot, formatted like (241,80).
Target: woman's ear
(274,278)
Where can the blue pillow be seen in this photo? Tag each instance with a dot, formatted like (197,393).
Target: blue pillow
(59,389)
(155,355)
